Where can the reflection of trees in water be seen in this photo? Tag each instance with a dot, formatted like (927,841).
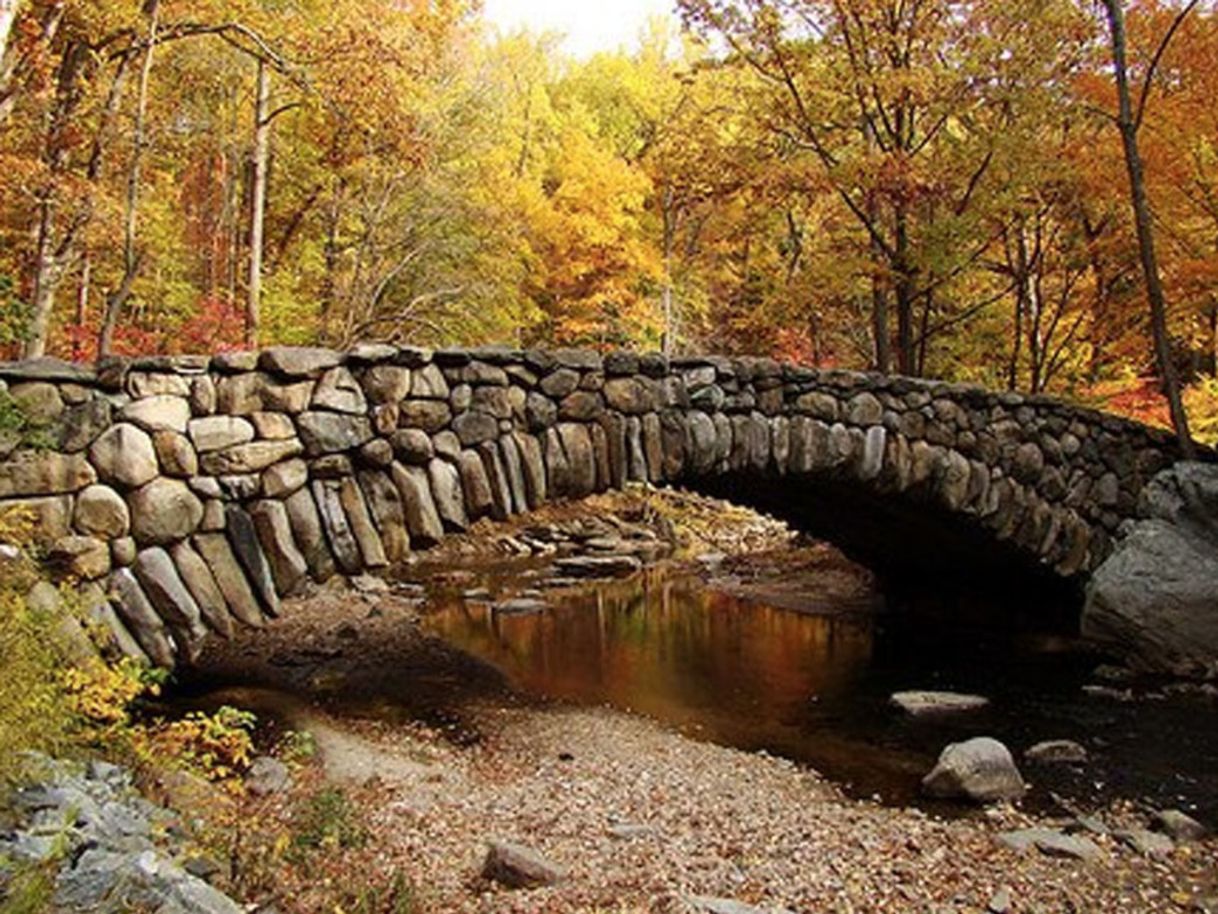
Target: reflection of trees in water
(671,648)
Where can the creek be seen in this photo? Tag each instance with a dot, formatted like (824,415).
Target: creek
(776,663)
(793,653)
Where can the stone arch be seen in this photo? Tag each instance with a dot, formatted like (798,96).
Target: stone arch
(190,494)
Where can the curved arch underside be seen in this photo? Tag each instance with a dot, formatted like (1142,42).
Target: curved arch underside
(192,493)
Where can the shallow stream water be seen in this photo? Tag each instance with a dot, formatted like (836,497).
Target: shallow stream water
(810,680)
(794,653)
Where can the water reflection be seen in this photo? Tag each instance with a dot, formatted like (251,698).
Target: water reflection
(732,670)
(813,686)
(672,649)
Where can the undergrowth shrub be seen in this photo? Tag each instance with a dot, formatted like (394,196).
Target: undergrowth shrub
(1201,402)
(58,706)
(327,820)
(35,713)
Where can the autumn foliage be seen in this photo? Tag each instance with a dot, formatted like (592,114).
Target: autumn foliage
(931,188)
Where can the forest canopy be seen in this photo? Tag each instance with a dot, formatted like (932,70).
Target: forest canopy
(917,186)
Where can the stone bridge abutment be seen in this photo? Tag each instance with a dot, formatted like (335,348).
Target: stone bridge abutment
(189,494)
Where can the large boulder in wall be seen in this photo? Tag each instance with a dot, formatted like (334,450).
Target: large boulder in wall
(1154,600)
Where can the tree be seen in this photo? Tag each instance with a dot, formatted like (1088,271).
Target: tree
(903,107)
(1128,121)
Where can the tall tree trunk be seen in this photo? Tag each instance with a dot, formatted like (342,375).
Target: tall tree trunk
(1036,342)
(82,305)
(905,294)
(116,299)
(262,137)
(1018,266)
(48,25)
(330,252)
(1099,319)
(923,343)
(1142,220)
(879,326)
(1210,363)
(881,344)
(1017,341)
(669,233)
(232,205)
(46,279)
(51,255)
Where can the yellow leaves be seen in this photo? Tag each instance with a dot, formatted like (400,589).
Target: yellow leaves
(100,694)
(587,228)
(219,745)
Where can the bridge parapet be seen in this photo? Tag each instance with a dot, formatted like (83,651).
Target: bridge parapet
(191,493)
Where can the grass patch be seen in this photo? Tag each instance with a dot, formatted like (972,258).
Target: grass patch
(327,820)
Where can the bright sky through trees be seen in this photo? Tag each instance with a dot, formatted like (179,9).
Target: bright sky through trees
(588,27)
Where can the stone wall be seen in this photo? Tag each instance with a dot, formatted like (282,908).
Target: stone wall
(191,493)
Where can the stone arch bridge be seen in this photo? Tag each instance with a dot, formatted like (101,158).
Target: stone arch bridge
(189,494)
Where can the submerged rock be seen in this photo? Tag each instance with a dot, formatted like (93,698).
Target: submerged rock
(598,566)
(979,769)
(919,703)
(1064,751)
(520,606)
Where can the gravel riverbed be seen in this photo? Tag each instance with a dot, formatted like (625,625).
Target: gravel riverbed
(446,759)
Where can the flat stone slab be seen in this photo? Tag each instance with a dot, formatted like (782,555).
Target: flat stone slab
(1050,842)
(47,369)
(1056,751)
(707,904)
(598,566)
(520,606)
(1145,842)
(920,703)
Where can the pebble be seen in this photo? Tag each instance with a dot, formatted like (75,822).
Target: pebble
(266,776)
(1000,902)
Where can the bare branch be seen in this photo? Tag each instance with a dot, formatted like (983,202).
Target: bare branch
(1148,82)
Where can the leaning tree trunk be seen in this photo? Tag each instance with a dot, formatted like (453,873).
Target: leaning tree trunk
(1145,230)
